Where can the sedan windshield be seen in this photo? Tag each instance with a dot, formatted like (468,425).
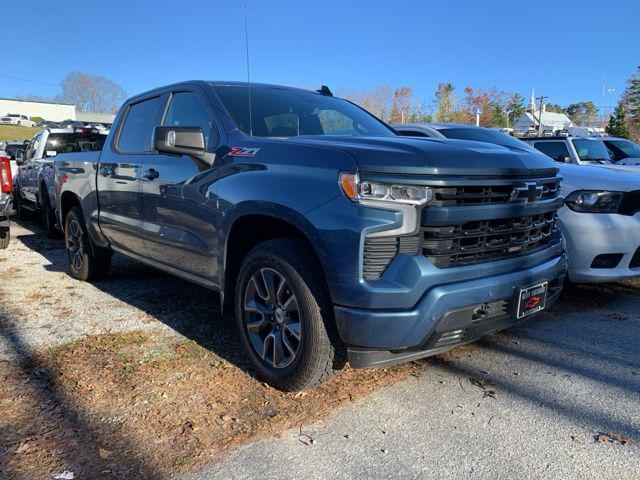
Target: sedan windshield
(286,112)
(484,135)
(592,150)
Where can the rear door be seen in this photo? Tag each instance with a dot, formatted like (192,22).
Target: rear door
(118,178)
(178,215)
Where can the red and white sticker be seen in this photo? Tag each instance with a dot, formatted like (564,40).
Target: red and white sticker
(243,152)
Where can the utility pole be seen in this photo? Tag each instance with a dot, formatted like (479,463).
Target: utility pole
(541,100)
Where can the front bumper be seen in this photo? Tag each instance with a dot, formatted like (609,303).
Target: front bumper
(445,316)
(588,235)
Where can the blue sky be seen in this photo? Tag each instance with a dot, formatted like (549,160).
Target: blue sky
(564,49)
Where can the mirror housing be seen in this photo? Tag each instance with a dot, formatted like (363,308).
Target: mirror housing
(567,160)
(180,140)
(19,157)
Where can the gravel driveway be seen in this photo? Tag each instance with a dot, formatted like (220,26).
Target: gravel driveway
(556,398)
(528,404)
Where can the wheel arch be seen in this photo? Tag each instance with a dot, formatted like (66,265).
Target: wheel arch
(253,227)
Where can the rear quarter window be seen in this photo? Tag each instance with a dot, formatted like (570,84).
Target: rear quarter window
(137,129)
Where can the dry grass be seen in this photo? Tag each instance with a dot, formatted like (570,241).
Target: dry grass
(131,405)
(14,133)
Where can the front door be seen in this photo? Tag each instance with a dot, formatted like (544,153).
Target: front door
(178,213)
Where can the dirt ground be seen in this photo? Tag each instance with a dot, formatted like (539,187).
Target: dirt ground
(139,376)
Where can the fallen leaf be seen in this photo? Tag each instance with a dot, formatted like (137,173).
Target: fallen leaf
(104,453)
(576,439)
(609,437)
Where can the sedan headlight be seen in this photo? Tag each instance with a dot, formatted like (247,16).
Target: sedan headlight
(593,201)
(364,191)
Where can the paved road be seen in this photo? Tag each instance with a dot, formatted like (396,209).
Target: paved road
(573,372)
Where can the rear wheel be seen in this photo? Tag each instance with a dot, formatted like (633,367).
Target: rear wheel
(21,213)
(285,318)
(49,218)
(83,263)
(5,238)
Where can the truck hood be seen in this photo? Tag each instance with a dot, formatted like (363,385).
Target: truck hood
(434,156)
(630,168)
(596,177)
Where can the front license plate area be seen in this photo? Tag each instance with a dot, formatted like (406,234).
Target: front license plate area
(532,299)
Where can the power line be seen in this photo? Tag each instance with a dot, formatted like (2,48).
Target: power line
(30,81)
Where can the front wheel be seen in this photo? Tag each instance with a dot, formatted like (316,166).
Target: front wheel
(285,318)
(83,263)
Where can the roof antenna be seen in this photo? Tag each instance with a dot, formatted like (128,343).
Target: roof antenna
(324,90)
(246,41)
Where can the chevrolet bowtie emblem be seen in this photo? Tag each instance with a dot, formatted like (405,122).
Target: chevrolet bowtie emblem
(528,193)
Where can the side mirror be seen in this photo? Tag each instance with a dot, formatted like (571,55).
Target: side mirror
(567,160)
(19,157)
(180,140)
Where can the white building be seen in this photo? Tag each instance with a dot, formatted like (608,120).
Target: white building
(46,110)
(551,121)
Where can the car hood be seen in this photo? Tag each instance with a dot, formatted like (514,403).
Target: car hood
(629,161)
(597,177)
(622,168)
(434,156)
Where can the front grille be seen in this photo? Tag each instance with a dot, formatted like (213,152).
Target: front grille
(630,204)
(473,241)
(487,194)
(488,240)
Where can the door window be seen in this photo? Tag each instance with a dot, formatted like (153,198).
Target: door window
(187,110)
(137,130)
(558,151)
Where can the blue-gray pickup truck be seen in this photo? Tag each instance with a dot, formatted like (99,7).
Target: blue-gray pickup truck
(328,235)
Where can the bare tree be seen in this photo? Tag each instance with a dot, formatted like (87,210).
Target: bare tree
(91,93)
(377,100)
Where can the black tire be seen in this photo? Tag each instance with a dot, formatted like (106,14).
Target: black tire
(48,218)
(5,238)
(83,264)
(318,351)
(21,213)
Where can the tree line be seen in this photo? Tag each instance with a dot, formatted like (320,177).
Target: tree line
(89,93)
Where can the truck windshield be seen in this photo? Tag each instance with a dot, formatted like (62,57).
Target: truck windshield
(286,112)
(592,150)
(75,142)
(622,149)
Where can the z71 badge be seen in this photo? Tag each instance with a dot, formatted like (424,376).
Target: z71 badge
(243,152)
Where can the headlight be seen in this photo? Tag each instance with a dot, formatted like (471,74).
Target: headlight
(592,201)
(364,191)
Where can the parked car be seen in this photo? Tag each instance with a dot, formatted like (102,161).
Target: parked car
(33,182)
(326,231)
(16,119)
(579,151)
(622,151)
(5,200)
(601,217)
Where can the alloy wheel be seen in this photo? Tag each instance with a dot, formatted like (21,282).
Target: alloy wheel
(272,318)
(74,244)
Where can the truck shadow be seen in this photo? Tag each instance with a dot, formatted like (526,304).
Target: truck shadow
(189,309)
(65,419)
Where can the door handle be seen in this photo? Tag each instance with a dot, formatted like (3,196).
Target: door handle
(151,174)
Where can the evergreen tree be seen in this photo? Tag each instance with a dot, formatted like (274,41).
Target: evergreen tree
(515,106)
(631,103)
(618,123)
